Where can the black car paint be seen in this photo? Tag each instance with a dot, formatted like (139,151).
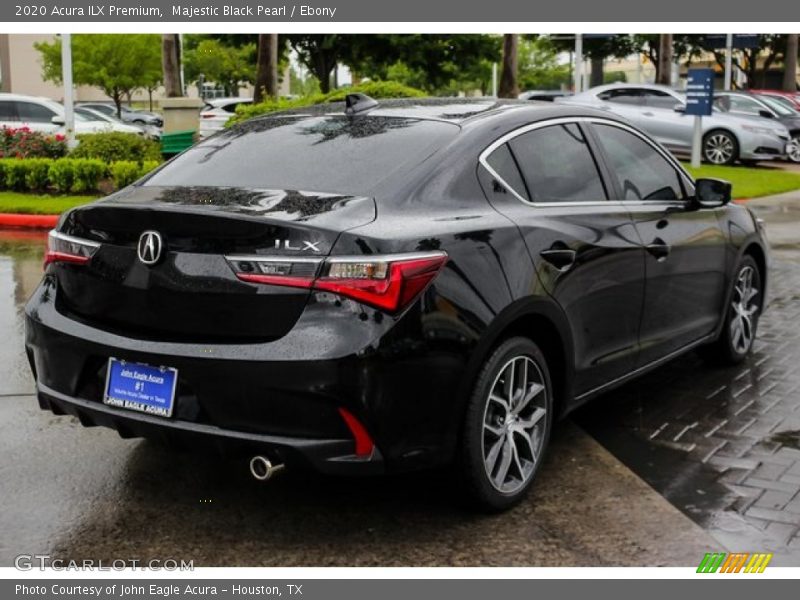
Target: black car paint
(276,388)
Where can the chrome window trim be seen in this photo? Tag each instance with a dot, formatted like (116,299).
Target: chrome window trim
(273,259)
(484,155)
(73,240)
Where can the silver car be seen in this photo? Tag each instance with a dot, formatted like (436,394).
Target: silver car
(659,110)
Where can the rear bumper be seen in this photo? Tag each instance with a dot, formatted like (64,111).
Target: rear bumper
(332,456)
(276,398)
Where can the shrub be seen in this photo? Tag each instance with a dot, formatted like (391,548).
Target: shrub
(124,172)
(24,143)
(115,146)
(374,89)
(148,166)
(16,170)
(37,175)
(61,174)
(87,174)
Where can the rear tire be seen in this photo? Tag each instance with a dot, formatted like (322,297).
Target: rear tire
(507,426)
(741,317)
(720,147)
(794,149)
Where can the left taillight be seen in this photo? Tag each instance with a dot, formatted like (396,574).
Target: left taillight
(62,248)
(388,282)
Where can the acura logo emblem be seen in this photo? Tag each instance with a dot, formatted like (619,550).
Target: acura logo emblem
(150,246)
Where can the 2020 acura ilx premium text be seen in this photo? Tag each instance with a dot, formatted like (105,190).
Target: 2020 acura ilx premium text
(387,287)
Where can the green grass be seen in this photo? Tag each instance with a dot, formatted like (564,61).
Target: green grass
(751,182)
(33,204)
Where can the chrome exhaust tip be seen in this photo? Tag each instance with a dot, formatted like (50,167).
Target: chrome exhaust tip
(262,469)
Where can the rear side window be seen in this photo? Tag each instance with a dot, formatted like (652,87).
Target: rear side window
(623,96)
(323,154)
(557,165)
(641,171)
(503,163)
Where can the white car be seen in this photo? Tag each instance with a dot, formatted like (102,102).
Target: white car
(112,123)
(47,116)
(216,113)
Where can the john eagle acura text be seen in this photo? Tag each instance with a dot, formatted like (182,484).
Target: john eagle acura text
(391,287)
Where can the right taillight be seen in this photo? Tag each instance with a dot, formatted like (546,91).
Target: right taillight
(388,282)
(67,249)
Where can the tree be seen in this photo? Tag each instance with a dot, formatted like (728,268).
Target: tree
(539,68)
(790,64)
(228,66)
(118,64)
(664,64)
(319,53)
(266,67)
(171,64)
(598,48)
(509,88)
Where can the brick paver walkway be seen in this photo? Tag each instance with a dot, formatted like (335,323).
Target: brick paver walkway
(722,444)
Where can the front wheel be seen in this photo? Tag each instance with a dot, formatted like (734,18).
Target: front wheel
(741,318)
(720,148)
(507,425)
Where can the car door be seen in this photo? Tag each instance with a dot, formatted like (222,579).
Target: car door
(36,117)
(672,128)
(685,246)
(584,246)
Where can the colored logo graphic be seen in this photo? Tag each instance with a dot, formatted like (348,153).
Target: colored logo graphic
(743,562)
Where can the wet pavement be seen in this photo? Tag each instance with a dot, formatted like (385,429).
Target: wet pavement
(687,460)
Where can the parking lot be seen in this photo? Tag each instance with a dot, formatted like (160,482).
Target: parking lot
(687,460)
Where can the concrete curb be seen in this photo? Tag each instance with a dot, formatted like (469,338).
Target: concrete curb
(28,221)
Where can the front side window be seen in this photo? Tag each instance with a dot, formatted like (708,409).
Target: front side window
(641,171)
(7,112)
(659,99)
(557,165)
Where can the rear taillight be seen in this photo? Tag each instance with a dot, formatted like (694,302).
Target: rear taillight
(67,249)
(389,282)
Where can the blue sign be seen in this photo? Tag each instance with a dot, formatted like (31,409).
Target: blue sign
(700,92)
(140,387)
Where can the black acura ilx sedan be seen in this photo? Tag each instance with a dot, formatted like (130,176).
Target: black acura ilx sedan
(370,287)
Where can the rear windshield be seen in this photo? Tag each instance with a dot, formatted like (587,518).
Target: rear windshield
(325,154)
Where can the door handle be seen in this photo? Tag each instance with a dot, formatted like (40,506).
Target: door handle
(647,114)
(659,249)
(561,258)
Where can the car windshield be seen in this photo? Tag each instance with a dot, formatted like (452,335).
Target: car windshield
(325,154)
(778,106)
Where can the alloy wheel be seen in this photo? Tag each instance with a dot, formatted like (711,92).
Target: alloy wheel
(514,424)
(719,148)
(744,305)
(793,151)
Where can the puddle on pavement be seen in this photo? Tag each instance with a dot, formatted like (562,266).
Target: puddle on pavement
(21,255)
(790,439)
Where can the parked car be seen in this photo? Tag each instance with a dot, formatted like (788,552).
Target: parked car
(127,114)
(44,114)
(763,106)
(792,98)
(110,123)
(217,112)
(454,278)
(659,110)
(543,95)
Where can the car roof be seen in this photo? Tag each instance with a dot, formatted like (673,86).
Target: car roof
(460,111)
(217,102)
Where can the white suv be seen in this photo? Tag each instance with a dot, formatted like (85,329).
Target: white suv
(47,116)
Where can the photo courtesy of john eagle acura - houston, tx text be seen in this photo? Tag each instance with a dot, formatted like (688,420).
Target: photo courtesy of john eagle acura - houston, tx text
(371,287)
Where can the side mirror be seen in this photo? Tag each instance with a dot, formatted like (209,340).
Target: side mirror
(679,108)
(766,114)
(712,193)
(56,120)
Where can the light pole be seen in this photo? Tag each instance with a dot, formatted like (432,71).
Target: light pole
(66,70)
(578,63)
